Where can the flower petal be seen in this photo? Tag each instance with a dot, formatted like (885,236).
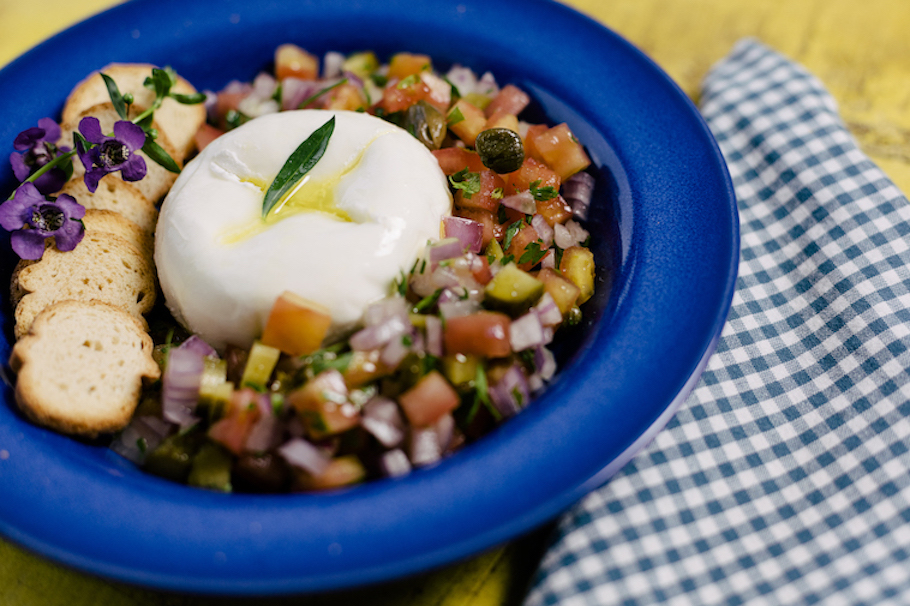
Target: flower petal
(20,168)
(50,182)
(28,244)
(28,138)
(51,129)
(69,235)
(70,207)
(90,128)
(133,169)
(129,134)
(92,177)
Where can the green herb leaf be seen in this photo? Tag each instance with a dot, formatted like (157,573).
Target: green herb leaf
(542,194)
(533,253)
(318,94)
(116,98)
(455,116)
(298,164)
(428,301)
(466,181)
(188,99)
(157,153)
(161,82)
(409,81)
(511,230)
(482,392)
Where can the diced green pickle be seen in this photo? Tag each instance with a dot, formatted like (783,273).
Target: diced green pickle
(173,458)
(460,369)
(361,64)
(512,290)
(259,366)
(211,468)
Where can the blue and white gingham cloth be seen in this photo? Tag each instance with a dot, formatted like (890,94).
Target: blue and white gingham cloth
(785,477)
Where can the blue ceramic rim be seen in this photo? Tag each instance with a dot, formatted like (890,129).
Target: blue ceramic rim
(82,506)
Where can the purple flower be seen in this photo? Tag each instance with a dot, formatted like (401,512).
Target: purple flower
(38,147)
(32,219)
(111,154)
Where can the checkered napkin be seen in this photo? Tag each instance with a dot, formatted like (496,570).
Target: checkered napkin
(785,477)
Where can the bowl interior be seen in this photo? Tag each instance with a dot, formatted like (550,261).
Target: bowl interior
(664,227)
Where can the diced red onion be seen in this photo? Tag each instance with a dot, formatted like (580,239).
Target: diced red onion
(260,102)
(383,310)
(579,233)
(354,79)
(547,311)
(180,386)
(378,335)
(447,248)
(434,336)
(543,229)
(266,432)
(396,350)
(549,260)
(510,393)
(577,191)
(148,430)
(457,309)
(197,344)
(300,453)
(382,418)
(523,202)
(295,91)
(526,332)
(331,64)
(544,363)
(421,282)
(487,85)
(440,90)
(468,232)
(562,236)
(445,276)
(394,463)
(423,446)
(445,430)
(464,79)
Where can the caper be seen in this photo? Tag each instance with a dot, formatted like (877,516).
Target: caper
(500,150)
(426,123)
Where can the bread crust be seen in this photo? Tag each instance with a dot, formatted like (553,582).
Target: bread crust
(81,367)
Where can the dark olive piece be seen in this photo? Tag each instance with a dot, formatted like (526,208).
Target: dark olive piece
(426,123)
(500,150)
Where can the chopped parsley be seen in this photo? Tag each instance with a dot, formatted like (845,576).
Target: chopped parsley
(466,181)
(409,81)
(533,253)
(542,194)
(497,193)
(511,230)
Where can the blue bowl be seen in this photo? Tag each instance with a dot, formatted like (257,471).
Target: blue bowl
(666,240)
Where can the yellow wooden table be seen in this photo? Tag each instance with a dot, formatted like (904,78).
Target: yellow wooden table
(860,50)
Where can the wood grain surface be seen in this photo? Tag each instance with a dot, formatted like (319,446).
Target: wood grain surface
(860,50)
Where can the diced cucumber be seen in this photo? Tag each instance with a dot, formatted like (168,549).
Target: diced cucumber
(259,366)
(460,369)
(513,290)
(173,458)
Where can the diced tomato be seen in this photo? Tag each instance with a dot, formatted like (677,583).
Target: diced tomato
(466,120)
(453,159)
(342,471)
(561,151)
(481,270)
(242,413)
(532,170)
(293,61)
(530,149)
(563,290)
(486,198)
(525,237)
(510,100)
(431,398)
(399,96)
(555,210)
(402,65)
(484,333)
(345,96)
(322,405)
(363,367)
(502,120)
(205,135)
(296,325)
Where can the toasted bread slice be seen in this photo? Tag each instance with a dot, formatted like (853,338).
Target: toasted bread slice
(116,195)
(178,122)
(111,222)
(157,181)
(103,267)
(81,367)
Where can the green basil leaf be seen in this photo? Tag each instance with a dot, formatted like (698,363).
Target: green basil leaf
(188,99)
(298,164)
(157,153)
(116,98)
